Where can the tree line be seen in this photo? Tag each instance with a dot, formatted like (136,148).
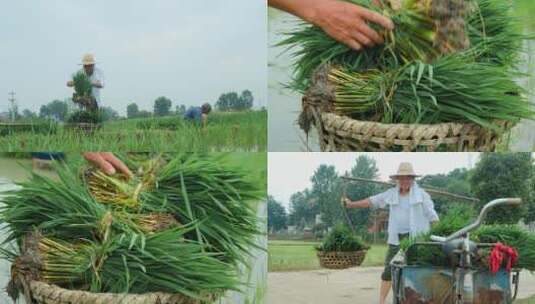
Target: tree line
(496,175)
(162,106)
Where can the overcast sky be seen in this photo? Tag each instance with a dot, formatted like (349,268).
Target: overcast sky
(290,172)
(189,50)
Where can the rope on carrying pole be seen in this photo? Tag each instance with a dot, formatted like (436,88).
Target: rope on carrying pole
(344,209)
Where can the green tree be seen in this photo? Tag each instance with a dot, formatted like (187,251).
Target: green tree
(246,100)
(277,217)
(162,106)
(499,175)
(456,181)
(144,114)
(28,114)
(530,216)
(327,191)
(365,167)
(227,101)
(56,109)
(303,209)
(180,110)
(108,113)
(132,110)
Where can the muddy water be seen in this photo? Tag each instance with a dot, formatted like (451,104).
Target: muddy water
(284,105)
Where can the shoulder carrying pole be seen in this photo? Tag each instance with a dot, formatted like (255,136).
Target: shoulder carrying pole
(429,190)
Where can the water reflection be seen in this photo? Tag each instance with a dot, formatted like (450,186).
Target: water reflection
(285,106)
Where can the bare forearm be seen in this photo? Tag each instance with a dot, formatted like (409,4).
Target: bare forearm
(303,9)
(342,20)
(365,203)
(97,84)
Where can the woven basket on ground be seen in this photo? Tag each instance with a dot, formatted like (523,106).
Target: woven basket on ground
(340,133)
(341,260)
(43,293)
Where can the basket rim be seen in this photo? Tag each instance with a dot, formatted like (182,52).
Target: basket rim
(377,123)
(59,294)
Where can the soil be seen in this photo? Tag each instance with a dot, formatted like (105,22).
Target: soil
(349,286)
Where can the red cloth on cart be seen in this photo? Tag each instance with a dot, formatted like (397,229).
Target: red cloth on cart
(499,253)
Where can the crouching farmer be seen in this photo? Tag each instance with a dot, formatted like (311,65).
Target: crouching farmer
(198,114)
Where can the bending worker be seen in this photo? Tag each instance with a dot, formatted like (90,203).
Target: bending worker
(411,213)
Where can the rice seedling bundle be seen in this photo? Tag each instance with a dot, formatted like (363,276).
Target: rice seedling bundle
(82,84)
(451,89)
(445,61)
(514,236)
(182,224)
(83,92)
(342,239)
(510,235)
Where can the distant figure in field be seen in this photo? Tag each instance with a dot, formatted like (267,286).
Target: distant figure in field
(95,76)
(198,114)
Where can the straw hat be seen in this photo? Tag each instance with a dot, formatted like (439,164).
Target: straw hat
(88,59)
(405,169)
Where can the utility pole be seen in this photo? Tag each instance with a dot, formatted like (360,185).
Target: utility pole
(13,108)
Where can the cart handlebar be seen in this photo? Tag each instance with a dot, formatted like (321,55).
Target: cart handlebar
(480,219)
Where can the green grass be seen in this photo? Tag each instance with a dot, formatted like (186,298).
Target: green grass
(240,131)
(530,300)
(301,255)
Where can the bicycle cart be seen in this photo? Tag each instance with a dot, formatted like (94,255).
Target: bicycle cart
(460,276)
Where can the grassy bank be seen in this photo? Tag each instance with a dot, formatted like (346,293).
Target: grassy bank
(244,131)
(301,255)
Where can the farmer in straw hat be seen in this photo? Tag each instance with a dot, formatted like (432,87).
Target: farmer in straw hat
(95,76)
(412,212)
(344,21)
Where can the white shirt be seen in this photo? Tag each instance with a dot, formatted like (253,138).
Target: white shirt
(412,213)
(97,75)
(404,213)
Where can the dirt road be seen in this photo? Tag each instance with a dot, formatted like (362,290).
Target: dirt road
(351,286)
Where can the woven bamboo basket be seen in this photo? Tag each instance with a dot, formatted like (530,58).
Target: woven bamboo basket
(338,133)
(341,260)
(43,293)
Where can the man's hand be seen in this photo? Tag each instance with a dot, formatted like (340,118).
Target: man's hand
(348,23)
(344,21)
(107,162)
(97,84)
(345,202)
(70,83)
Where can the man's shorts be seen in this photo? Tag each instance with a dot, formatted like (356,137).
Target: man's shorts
(392,251)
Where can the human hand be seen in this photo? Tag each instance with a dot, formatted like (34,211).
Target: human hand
(347,22)
(345,201)
(97,84)
(107,162)
(70,83)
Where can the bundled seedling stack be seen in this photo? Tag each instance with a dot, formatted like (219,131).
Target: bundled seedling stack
(341,249)
(175,233)
(457,218)
(448,64)
(82,91)
(89,113)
